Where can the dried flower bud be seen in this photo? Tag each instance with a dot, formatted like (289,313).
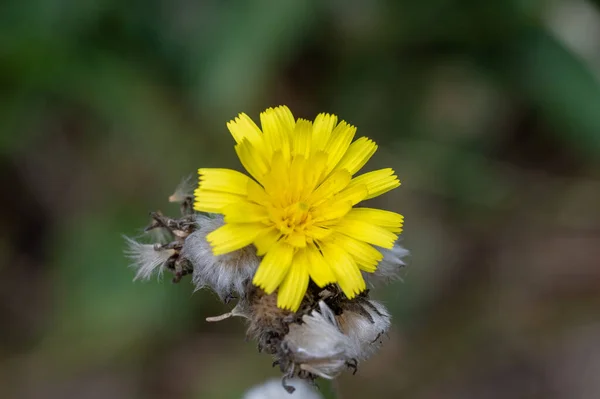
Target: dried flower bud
(224,274)
(148,259)
(317,345)
(364,324)
(389,267)
(272,389)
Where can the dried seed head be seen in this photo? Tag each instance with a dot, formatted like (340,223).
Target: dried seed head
(388,269)
(273,389)
(225,274)
(267,322)
(317,345)
(364,324)
(148,259)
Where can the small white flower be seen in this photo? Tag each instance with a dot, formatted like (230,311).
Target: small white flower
(147,258)
(272,389)
(364,331)
(389,267)
(317,345)
(224,274)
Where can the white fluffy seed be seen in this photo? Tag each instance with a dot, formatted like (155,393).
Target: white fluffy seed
(224,274)
(318,346)
(365,334)
(147,258)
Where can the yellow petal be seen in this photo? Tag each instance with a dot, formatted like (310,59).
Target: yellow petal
(286,118)
(388,220)
(367,232)
(332,185)
(315,173)
(357,155)
(297,240)
(273,267)
(252,160)
(338,144)
(344,267)
(226,180)
(322,128)
(213,201)
(301,138)
(257,194)
(294,285)
(378,182)
(231,237)
(266,239)
(277,181)
(277,126)
(365,255)
(318,233)
(331,210)
(243,127)
(296,178)
(353,194)
(318,268)
(244,212)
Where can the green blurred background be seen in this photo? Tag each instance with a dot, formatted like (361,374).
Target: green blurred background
(488,111)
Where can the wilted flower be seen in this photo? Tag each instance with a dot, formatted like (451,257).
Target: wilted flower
(297,209)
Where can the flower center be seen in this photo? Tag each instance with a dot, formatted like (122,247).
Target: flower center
(293,221)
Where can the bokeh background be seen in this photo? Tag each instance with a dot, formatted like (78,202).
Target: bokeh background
(488,111)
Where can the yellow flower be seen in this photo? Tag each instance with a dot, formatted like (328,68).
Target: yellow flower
(298,209)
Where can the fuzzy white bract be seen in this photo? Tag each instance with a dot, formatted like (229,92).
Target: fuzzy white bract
(318,345)
(224,274)
(272,389)
(389,267)
(147,259)
(365,333)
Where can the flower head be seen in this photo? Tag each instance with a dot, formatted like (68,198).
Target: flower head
(298,206)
